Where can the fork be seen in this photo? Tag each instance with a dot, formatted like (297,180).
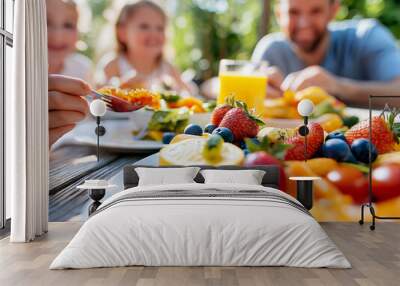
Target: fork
(115,103)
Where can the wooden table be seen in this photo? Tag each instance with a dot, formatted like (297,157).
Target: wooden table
(72,165)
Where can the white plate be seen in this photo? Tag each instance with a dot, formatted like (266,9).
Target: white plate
(118,137)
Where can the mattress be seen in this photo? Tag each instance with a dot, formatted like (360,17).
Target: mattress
(201,225)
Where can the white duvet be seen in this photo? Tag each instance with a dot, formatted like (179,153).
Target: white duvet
(200,231)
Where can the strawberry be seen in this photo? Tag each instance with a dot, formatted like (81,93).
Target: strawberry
(219,112)
(315,139)
(267,152)
(384,133)
(241,122)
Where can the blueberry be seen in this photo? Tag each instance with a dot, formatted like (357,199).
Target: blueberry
(242,145)
(336,135)
(246,152)
(360,149)
(336,149)
(167,137)
(193,129)
(350,159)
(225,133)
(209,128)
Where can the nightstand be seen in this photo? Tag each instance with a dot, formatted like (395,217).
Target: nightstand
(97,190)
(305,190)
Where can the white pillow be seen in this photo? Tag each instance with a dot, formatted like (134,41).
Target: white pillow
(243,177)
(166,176)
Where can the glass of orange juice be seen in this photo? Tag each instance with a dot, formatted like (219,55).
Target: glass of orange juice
(245,81)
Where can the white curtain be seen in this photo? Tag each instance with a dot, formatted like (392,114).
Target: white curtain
(27,124)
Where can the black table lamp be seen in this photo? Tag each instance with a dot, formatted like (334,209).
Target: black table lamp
(305,109)
(98,108)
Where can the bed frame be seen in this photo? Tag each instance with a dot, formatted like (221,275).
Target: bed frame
(270,179)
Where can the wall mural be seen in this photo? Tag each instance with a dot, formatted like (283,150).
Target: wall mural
(337,152)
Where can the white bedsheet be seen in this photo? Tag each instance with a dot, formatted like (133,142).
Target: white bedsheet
(206,231)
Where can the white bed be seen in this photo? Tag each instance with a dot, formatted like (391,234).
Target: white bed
(248,226)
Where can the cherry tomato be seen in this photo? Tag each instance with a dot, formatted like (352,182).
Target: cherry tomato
(350,181)
(386,182)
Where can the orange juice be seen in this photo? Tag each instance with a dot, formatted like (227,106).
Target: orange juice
(250,89)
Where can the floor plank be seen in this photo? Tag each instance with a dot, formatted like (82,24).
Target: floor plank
(71,204)
(375,257)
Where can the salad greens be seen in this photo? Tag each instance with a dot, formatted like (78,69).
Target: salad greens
(170,97)
(174,120)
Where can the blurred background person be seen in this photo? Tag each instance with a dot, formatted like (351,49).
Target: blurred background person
(62,32)
(349,59)
(139,61)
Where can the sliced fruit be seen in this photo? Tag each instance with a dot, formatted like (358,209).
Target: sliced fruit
(389,158)
(189,102)
(278,108)
(190,152)
(313,93)
(182,137)
(315,139)
(385,132)
(386,182)
(330,122)
(289,96)
(328,106)
(276,134)
(213,148)
(322,166)
(389,207)
(197,109)
(350,181)
(154,135)
(323,188)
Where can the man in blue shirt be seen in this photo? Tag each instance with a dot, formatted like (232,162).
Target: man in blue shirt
(350,59)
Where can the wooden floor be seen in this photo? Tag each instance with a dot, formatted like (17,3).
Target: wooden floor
(375,257)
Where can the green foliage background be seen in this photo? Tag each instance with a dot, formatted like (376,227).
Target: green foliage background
(205,31)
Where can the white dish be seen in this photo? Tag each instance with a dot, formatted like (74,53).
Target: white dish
(118,137)
(119,132)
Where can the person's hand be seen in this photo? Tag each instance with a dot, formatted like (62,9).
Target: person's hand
(311,76)
(275,80)
(66,106)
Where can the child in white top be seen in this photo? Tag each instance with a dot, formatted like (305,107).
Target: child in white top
(62,35)
(140,33)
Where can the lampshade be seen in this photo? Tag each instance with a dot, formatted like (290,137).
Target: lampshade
(98,108)
(305,107)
